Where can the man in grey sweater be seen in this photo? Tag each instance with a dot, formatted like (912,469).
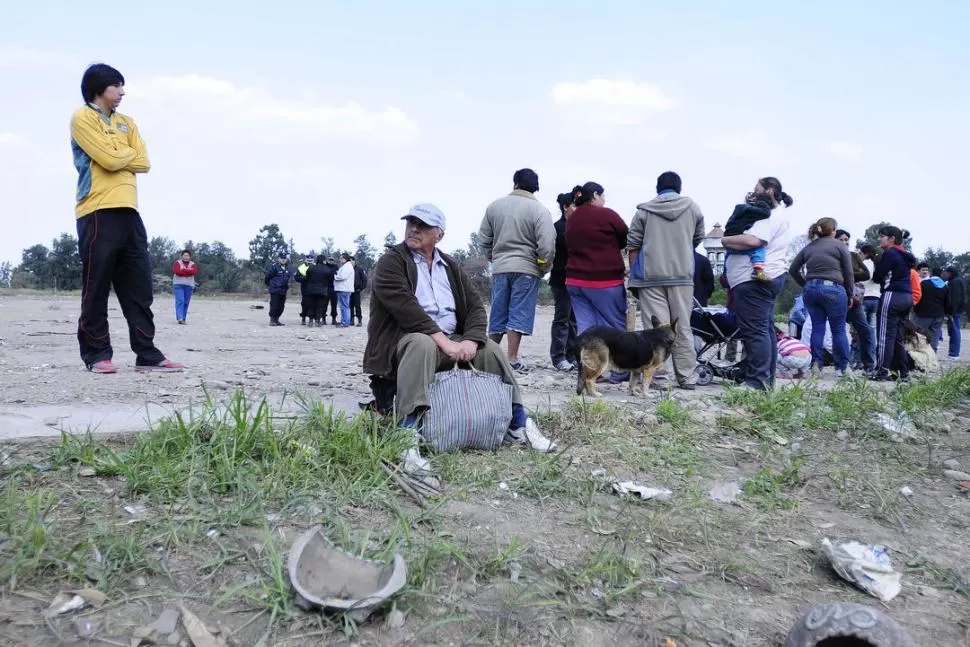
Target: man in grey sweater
(661,243)
(519,239)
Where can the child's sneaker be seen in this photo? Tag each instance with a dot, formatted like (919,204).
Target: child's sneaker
(104,367)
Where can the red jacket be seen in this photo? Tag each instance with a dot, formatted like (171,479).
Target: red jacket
(595,239)
(185,270)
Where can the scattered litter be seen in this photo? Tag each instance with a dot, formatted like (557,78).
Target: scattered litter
(598,472)
(899,428)
(964,485)
(866,566)
(928,591)
(86,627)
(801,543)
(147,635)
(87,472)
(956,475)
(139,582)
(725,492)
(515,570)
(66,601)
(906,490)
(212,534)
(198,633)
(644,492)
(503,485)
(273,517)
(135,509)
(597,592)
(167,622)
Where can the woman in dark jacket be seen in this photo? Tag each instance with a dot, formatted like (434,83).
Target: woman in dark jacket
(562,351)
(892,272)
(318,279)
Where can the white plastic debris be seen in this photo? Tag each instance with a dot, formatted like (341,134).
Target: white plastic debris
(899,428)
(866,566)
(644,492)
(725,492)
(906,490)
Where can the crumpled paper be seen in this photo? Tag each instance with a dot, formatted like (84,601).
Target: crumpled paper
(866,566)
(644,492)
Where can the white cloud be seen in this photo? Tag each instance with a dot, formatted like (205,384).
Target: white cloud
(848,151)
(622,102)
(18,55)
(613,93)
(749,145)
(194,102)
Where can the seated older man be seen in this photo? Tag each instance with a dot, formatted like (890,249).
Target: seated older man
(425,316)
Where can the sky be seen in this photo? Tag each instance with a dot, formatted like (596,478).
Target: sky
(332,118)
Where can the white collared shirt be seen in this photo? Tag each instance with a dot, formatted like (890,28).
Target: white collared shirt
(434,292)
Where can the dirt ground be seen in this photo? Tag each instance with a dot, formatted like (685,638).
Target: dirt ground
(528,550)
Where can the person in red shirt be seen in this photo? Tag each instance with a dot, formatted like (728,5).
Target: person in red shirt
(183,284)
(595,240)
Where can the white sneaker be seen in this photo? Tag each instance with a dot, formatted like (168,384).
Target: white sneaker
(530,434)
(414,463)
(565,365)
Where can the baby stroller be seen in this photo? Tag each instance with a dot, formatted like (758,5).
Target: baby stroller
(717,342)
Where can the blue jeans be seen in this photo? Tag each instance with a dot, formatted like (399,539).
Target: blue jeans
(514,298)
(344,299)
(827,301)
(183,294)
(857,318)
(754,309)
(953,331)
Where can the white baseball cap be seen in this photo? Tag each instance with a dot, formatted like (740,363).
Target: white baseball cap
(428,214)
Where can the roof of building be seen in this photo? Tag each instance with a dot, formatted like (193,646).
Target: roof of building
(717,232)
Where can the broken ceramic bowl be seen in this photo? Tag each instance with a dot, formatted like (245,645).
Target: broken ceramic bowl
(327,577)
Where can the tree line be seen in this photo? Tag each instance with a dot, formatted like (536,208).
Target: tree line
(58,267)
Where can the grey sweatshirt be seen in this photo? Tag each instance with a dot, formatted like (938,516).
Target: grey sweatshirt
(516,233)
(665,232)
(827,259)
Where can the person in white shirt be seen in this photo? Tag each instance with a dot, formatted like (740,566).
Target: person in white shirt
(343,285)
(754,301)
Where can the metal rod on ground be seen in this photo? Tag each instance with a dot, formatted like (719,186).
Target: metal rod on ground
(415,481)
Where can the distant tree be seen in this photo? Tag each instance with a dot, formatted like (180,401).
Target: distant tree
(219,269)
(267,244)
(473,261)
(938,258)
(6,273)
(162,251)
(871,236)
(365,253)
(390,240)
(65,263)
(329,247)
(35,268)
(795,245)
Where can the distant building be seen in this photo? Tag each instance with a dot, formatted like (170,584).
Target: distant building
(715,250)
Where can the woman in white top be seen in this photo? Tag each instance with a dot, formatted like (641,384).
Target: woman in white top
(343,285)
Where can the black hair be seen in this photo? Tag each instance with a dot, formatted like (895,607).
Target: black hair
(839,233)
(98,78)
(868,250)
(894,232)
(669,180)
(922,264)
(773,186)
(584,194)
(564,200)
(345,256)
(526,179)
(952,270)
(937,271)
(186,251)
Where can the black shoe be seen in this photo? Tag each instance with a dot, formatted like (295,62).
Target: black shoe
(303,321)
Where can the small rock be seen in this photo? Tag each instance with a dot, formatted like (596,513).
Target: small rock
(395,619)
(313,383)
(951,464)
(956,475)
(87,472)
(598,472)
(139,582)
(167,622)
(515,571)
(52,421)
(217,384)
(86,627)
(842,435)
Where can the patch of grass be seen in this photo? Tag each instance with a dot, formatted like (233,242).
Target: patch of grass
(920,397)
(768,488)
(609,573)
(27,545)
(673,413)
(946,578)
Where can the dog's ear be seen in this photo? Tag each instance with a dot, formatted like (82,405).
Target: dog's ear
(654,321)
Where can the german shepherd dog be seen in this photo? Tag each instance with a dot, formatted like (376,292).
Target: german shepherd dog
(641,353)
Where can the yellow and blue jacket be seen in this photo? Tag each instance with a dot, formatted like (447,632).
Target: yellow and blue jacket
(108,151)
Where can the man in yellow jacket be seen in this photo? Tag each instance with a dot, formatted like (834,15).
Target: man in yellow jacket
(108,153)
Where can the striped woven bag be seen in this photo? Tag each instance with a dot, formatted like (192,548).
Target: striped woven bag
(469,410)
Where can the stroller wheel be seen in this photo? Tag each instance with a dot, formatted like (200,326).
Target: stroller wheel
(704,375)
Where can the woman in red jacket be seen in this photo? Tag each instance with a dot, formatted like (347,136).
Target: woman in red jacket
(183,284)
(595,239)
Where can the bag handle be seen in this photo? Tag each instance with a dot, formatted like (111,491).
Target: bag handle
(467,364)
